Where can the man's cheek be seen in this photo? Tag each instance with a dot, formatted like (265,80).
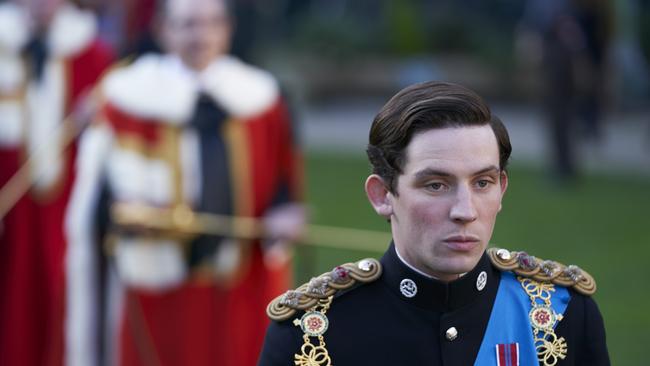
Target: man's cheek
(424,216)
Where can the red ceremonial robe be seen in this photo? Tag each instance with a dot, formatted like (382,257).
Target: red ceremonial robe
(160,309)
(32,111)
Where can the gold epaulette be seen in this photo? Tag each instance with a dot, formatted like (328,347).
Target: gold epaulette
(307,295)
(541,270)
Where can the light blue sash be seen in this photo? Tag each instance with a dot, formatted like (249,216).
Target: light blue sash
(509,321)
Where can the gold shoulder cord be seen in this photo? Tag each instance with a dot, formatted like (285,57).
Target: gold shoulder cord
(314,323)
(549,347)
(328,284)
(526,265)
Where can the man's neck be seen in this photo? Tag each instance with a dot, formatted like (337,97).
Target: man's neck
(422,272)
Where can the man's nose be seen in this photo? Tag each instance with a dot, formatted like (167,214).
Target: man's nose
(463,209)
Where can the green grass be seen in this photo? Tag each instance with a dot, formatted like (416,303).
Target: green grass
(602,224)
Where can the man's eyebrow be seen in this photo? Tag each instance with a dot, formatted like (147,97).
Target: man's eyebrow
(491,168)
(429,172)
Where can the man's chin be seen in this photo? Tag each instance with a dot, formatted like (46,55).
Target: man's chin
(459,266)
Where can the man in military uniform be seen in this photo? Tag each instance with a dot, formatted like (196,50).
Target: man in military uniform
(439,296)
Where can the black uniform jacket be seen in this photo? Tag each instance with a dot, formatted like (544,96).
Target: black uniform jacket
(375,324)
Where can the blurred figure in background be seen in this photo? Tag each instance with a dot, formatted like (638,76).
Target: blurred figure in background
(572,38)
(138,26)
(181,136)
(138,33)
(49,60)
(594,19)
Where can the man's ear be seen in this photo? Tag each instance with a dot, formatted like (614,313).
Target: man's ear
(379,196)
(503,183)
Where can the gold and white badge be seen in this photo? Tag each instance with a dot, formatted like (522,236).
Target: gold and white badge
(314,323)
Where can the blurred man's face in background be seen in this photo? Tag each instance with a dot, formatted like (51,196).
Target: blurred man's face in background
(40,12)
(196,30)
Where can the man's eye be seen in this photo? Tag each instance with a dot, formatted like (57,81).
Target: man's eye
(436,186)
(483,183)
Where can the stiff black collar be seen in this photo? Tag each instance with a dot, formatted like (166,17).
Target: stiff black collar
(433,294)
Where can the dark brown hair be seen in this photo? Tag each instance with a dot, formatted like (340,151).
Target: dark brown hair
(422,107)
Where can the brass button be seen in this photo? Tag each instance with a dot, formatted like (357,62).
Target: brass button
(451,334)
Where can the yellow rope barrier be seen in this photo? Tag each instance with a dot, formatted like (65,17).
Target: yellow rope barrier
(182,220)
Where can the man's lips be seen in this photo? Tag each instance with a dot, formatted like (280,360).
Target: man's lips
(462,243)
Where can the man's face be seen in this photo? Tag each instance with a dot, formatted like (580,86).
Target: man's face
(447,199)
(196,30)
(41,12)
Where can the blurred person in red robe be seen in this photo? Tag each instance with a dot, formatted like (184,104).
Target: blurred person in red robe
(50,58)
(181,136)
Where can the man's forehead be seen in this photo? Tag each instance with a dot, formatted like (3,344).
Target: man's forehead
(464,148)
(183,8)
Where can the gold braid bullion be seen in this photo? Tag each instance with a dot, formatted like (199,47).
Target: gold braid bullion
(307,295)
(526,265)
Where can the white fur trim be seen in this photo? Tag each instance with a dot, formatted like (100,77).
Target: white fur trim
(14,32)
(45,102)
(71,30)
(11,128)
(160,87)
(154,265)
(149,180)
(12,73)
(243,90)
(81,267)
(149,88)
